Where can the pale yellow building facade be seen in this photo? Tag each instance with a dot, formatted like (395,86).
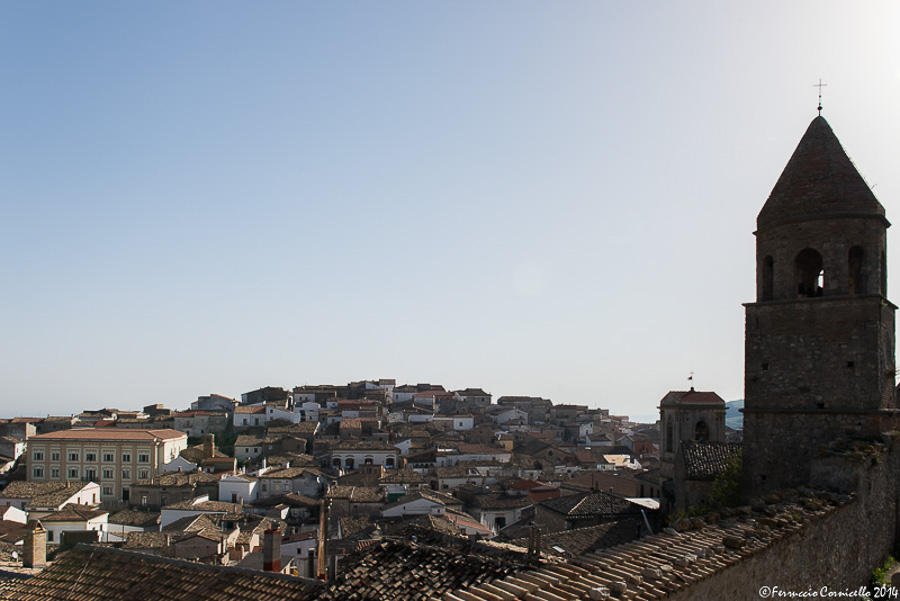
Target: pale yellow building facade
(112,457)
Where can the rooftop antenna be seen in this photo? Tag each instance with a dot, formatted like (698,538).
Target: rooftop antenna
(820,85)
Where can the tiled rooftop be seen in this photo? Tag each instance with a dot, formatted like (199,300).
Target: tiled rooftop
(692,397)
(103,574)
(111,434)
(400,570)
(42,494)
(498,501)
(130,517)
(74,513)
(571,543)
(356,494)
(589,504)
(179,479)
(664,563)
(706,460)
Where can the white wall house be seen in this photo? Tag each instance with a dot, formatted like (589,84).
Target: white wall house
(413,504)
(179,464)
(249,416)
(308,411)
(248,447)
(74,519)
(510,415)
(40,499)
(13,514)
(460,423)
(419,418)
(196,506)
(350,455)
(238,488)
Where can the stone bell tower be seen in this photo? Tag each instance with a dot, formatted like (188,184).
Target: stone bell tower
(819,356)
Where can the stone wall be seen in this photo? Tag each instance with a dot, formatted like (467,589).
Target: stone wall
(815,370)
(839,550)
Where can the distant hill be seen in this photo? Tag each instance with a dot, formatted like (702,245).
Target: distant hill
(733,417)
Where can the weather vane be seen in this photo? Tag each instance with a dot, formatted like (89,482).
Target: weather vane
(820,85)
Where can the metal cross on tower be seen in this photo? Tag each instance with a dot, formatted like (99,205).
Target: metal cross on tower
(820,85)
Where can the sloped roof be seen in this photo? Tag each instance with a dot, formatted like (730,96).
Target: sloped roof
(692,397)
(356,494)
(589,504)
(190,523)
(677,560)
(424,527)
(131,517)
(402,476)
(706,460)
(249,440)
(571,543)
(399,570)
(112,434)
(179,479)
(207,506)
(43,494)
(74,513)
(500,501)
(114,575)
(290,473)
(819,180)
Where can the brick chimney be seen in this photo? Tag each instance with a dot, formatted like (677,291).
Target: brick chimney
(272,549)
(34,551)
(209,446)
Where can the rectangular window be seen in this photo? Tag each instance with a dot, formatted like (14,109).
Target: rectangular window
(107,490)
(108,473)
(109,457)
(143,474)
(73,455)
(38,455)
(143,458)
(126,474)
(90,456)
(73,473)
(90,474)
(54,456)
(54,473)
(126,457)
(37,472)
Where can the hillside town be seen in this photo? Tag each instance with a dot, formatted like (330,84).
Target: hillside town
(304,481)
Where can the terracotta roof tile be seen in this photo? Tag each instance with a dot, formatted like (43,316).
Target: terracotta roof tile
(659,565)
(692,397)
(111,434)
(105,574)
(706,460)
(400,570)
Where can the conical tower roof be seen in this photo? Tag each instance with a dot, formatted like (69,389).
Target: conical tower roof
(819,181)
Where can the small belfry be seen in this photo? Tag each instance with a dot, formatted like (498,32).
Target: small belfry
(819,354)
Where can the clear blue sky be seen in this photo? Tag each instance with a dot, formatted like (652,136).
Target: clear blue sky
(536,198)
